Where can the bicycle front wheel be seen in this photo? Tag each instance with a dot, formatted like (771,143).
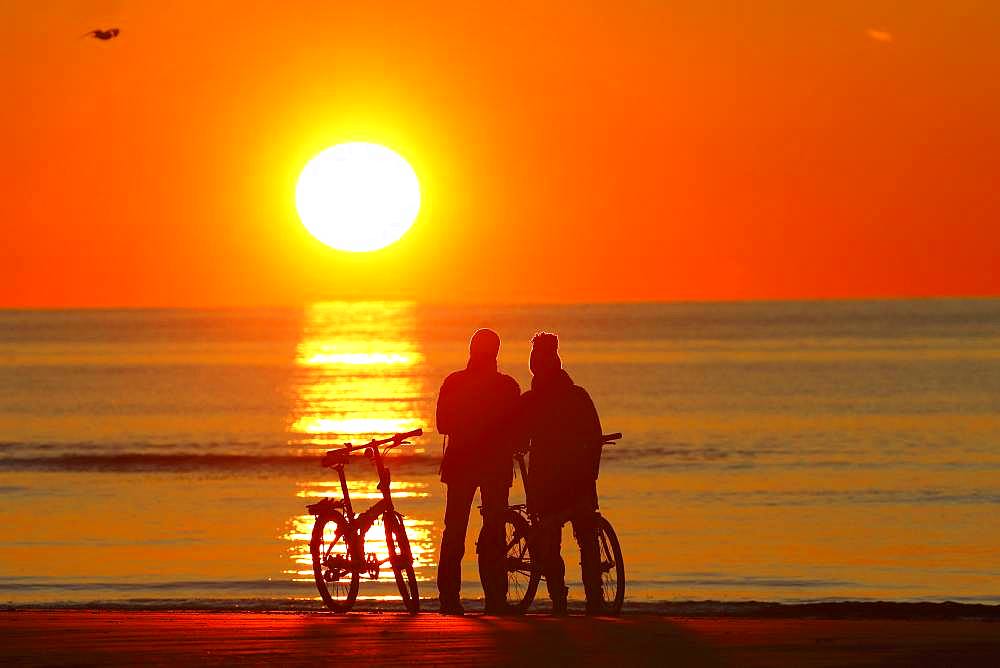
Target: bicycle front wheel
(612,567)
(522,577)
(334,551)
(401,560)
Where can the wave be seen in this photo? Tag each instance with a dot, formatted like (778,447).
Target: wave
(265,456)
(241,455)
(183,462)
(222,585)
(112,460)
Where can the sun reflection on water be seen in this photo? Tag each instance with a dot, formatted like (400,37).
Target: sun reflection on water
(357,372)
(358,377)
(363,489)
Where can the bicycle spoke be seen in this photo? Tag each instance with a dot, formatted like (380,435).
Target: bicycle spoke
(605,548)
(333,561)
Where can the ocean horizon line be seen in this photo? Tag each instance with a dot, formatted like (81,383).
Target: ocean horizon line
(501,304)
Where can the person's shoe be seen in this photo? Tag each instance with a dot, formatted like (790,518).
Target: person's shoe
(594,610)
(452,607)
(499,609)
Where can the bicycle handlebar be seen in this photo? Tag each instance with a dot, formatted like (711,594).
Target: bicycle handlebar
(397,438)
(332,456)
(606,439)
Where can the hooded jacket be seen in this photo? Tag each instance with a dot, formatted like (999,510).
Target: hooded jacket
(474,409)
(562,424)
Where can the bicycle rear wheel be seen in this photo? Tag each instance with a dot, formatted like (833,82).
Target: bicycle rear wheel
(522,578)
(612,567)
(401,560)
(334,551)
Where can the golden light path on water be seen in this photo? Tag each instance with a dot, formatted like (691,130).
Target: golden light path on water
(356,379)
(356,372)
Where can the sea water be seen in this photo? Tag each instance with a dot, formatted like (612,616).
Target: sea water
(783,451)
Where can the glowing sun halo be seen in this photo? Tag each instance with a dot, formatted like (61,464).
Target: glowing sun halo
(357,197)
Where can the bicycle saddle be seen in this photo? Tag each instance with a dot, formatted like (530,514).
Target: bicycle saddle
(324,505)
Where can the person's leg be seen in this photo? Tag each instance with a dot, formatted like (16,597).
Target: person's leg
(456,523)
(585,531)
(549,546)
(491,550)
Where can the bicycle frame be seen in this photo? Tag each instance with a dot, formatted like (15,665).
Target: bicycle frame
(519,553)
(534,521)
(351,529)
(362,522)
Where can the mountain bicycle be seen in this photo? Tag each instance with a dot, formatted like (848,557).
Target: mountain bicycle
(337,545)
(524,574)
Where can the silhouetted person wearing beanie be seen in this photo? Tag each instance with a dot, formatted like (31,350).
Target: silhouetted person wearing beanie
(562,424)
(474,410)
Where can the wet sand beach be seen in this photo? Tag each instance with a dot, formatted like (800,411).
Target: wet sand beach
(78,637)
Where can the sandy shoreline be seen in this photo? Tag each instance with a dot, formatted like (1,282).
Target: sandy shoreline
(704,609)
(107,637)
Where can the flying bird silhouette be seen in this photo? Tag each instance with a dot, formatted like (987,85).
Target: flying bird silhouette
(104,35)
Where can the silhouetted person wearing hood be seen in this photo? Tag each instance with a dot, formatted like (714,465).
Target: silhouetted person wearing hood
(562,424)
(474,410)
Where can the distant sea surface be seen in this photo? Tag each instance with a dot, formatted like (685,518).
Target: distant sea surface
(773,451)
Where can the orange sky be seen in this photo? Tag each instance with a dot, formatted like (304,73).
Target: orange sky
(566,151)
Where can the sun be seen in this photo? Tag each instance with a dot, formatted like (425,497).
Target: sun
(357,197)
